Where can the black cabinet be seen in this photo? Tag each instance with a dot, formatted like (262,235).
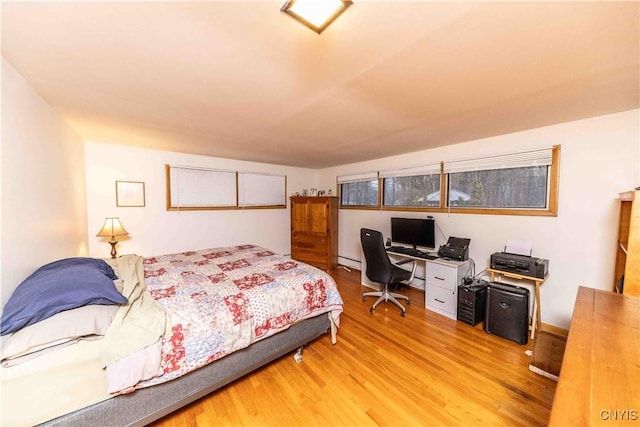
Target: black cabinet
(471,300)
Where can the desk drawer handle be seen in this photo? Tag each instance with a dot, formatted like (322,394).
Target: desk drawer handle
(437,300)
(439,278)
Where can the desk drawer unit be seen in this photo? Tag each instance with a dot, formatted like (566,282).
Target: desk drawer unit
(441,275)
(442,278)
(441,300)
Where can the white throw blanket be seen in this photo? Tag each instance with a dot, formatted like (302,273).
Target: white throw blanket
(131,349)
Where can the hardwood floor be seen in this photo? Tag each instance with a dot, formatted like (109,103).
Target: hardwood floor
(386,370)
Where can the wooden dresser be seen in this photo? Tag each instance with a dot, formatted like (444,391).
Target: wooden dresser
(599,380)
(628,244)
(314,231)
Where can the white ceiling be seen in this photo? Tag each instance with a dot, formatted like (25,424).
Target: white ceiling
(240,79)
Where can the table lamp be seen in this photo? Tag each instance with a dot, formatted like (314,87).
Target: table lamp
(112,228)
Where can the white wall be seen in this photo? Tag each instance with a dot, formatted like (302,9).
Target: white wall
(43,184)
(600,158)
(154,230)
(44,216)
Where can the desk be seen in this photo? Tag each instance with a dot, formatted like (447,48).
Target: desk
(536,322)
(599,381)
(442,278)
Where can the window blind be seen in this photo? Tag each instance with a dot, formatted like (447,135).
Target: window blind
(258,189)
(541,157)
(191,187)
(367,176)
(412,171)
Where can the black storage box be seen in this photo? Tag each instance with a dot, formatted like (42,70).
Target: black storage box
(507,312)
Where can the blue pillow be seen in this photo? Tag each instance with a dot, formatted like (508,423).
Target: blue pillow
(62,285)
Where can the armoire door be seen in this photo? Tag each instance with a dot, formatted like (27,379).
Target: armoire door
(299,217)
(318,218)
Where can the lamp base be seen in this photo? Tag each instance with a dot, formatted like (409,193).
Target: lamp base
(113,248)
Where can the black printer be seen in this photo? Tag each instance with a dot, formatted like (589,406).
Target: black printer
(456,248)
(520,264)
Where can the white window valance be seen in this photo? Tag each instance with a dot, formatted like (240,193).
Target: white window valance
(540,157)
(367,176)
(432,169)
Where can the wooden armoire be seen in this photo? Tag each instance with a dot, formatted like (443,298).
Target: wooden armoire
(314,231)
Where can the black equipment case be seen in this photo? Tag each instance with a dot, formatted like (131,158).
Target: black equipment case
(507,312)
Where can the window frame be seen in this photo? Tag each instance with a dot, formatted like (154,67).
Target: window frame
(358,178)
(553,185)
(233,188)
(434,169)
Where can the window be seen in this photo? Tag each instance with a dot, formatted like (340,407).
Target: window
(412,187)
(524,188)
(194,188)
(420,190)
(359,190)
(520,182)
(523,183)
(364,193)
(191,188)
(259,189)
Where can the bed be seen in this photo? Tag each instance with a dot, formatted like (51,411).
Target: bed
(218,314)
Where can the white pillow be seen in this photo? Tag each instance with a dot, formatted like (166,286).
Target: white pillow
(57,331)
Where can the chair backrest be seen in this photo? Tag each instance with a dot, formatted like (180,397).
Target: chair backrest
(379,266)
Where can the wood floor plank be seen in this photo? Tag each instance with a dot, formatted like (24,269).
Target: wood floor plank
(386,370)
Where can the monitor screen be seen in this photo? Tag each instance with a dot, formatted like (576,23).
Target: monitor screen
(414,231)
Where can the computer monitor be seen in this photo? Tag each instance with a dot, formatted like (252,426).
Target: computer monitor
(416,232)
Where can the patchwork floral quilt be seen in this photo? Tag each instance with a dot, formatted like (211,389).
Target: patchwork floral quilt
(224,299)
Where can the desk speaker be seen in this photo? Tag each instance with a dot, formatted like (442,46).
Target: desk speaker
(506,312)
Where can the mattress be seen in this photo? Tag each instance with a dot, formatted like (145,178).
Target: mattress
(210,305)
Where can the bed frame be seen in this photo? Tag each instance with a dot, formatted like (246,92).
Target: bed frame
(149,404)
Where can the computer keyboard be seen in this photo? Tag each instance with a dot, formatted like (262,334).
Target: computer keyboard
(410,252)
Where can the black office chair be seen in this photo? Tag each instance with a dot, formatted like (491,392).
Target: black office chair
(381,270)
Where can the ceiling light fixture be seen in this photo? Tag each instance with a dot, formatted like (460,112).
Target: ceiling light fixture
(315,14)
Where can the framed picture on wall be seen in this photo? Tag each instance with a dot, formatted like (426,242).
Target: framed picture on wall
(129,194)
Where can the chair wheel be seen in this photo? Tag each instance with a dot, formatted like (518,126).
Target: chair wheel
(408,302)
(403,313)
(364,298)
(371,310)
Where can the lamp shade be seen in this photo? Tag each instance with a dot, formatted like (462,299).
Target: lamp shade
(111,228)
